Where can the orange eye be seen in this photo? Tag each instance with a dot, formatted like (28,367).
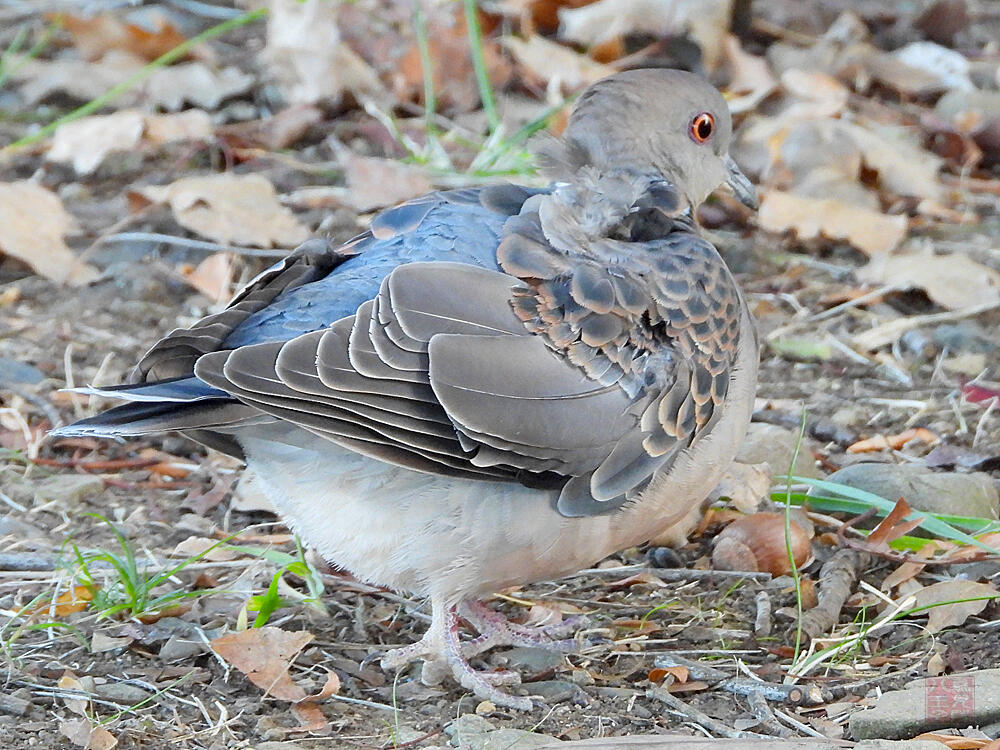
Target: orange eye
(702,127)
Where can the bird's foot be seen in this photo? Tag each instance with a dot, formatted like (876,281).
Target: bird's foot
(484,684)
(443,652)
(426,648)
(497,630)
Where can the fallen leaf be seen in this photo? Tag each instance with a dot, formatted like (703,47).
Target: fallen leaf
(189,125)
(947,615)
(101,642)
(751,79)
(954,281)
(83,733)
(228,208)
(168,87)
(195,83)
(809,218)
(213,277)
(893,526)
(693,686)
(264,656)
(197,545)
(375,183)
(97,34)
(454,76)
(78,79)
(894,442)
(310,716)
(746,486)
(32,224)
(821,95)
(705,21)
(75,600)
(556,64)
(202,502)
(307,56)
(70,682)
(274,133)
(903,165)
(86,142)
(757,542)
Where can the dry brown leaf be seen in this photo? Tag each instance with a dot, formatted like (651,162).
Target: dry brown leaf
(310,716)
(893,526)
(955,281)
(705,21)
(893,442)
(957,612)
(540,15)
(277,132)
(168,87)
(750,78)
(213,277)
(70,682)
(83,733)
(189,125)
(555,63)
(75,599)
(453,72)
(86,142)
(195,83)
(869,231)
(199,545)
(903,166)
(228,208)
(820,95)
(96,35)
(306,54)
(264,656)
(78,79)
(32,224)
(745,485)
(374,183)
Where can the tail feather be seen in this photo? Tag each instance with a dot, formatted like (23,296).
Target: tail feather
(143,418)
(185,389)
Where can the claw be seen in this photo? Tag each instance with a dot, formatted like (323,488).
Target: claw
(442,650)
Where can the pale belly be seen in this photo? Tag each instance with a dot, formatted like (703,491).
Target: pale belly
(455,538)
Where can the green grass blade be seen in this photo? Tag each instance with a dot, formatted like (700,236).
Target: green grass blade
(928,522)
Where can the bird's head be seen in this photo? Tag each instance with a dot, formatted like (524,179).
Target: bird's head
(668,123)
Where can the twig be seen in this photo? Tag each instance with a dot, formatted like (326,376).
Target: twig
(191,244)
(836,582)
(109,465)
(714,726)
(762,621)
(763,713)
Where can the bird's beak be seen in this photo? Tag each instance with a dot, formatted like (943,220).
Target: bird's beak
(740,184)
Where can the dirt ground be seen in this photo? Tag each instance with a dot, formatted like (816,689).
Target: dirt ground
(198,703)
(155,682)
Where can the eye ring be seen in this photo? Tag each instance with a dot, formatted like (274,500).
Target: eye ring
(702,127)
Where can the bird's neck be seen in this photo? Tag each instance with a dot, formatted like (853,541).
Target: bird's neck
(596,210)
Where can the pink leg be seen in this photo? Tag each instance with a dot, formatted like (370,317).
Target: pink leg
(497,630)
(442,649)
